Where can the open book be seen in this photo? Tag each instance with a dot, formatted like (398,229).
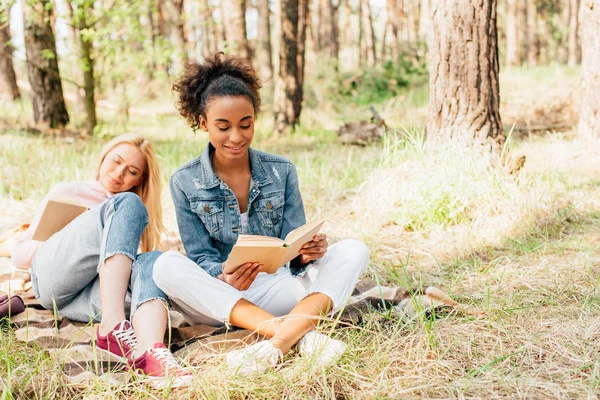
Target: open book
(57,214)
(271,252)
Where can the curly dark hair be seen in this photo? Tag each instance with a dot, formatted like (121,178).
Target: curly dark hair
(218,76)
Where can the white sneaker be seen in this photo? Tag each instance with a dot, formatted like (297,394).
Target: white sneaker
(321,349)
(253,359)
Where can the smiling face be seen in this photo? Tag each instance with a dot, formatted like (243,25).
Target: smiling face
(230,125)
(122,169)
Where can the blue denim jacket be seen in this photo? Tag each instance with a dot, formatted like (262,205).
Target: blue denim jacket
(208,214)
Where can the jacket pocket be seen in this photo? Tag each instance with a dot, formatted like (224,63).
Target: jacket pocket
(269,209)
(210,213)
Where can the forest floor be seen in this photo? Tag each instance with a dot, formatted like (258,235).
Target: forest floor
(521,253)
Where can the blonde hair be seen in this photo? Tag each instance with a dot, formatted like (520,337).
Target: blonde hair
(148,190)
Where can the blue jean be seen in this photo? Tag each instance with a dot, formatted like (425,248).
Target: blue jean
(64,272)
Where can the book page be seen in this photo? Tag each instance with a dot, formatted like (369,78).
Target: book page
(56,215)
(304,233)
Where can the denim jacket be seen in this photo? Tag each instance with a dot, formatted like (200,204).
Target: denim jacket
(208,214)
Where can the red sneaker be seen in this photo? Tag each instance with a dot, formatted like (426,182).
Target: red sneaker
(161,368)
(119,342)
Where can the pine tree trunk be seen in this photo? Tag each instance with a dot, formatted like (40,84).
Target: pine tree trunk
(328,30)
(395,18)
(8,78)
(369,34)
(263,53)
(235,27)
(589,121)
(463,68)
(303,27)
(512,47)
(287,88)
(533,48)
(175,18)
(49,109)
(574,58)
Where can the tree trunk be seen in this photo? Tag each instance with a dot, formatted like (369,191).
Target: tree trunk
(80,12)
(463,68)
(512,46)
(328,29)
(589,121)
(235,27)
(287,88)
(533,48)
(263,53)
(425,21)
(369,34)
(175,18)
(49,109)
(8,78)
(574,56)
(394,14)
(303,27)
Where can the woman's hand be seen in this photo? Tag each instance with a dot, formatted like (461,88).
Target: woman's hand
(241,278)
(314,249)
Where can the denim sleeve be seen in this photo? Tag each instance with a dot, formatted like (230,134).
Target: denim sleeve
(196,240)
(293,214)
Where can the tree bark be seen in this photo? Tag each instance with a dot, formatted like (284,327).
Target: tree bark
(8,79)
(235,27)
(369,34)
(263,53)
(589,121)
(512,47)
(463,68)
(49,109)
(394,12)
(574,56)
(303,27)
(533,48)
(328,29)
(288,92)
(173,10)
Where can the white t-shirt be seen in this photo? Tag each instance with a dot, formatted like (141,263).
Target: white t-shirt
(244,218)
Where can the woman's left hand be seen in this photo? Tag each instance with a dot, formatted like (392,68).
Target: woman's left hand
(314,249)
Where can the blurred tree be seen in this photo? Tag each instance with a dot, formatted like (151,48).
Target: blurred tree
(8,79)
(288,84)
(395,14)
(173,11)
(81,13)
(207,21)
(512,27)
(532,44)
(328,29)
(425,21)
(589,121)
(463,68)
(49,109)
(369,33)
(234,20)
(574,54)
(263,48)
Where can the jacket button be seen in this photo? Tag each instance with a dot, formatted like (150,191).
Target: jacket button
(269,205)
(207,208)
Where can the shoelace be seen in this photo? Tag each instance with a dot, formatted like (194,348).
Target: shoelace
(165,357)
(126,336)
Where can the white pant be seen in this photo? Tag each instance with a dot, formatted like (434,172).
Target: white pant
(203,299)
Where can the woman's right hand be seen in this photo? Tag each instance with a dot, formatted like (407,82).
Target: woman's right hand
(241,278)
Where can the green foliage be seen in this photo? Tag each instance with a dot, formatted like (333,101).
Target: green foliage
(366,86)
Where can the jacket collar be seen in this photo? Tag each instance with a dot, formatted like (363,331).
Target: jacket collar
(209,179)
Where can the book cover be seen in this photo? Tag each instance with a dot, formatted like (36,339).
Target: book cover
(56,215)
(271,252)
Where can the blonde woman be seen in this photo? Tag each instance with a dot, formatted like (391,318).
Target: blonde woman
(85,270)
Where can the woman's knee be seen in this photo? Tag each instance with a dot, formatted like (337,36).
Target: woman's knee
(357,252)
(130,204)
(167,268)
